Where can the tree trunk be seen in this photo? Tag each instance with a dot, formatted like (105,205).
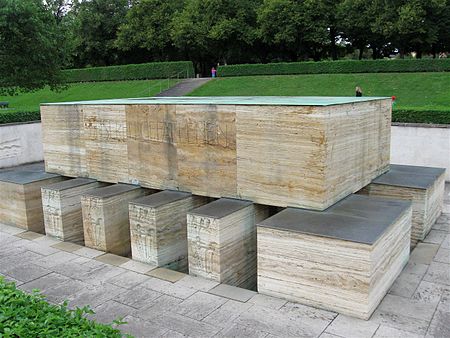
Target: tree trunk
(333,43)
(374,53)
(361,52)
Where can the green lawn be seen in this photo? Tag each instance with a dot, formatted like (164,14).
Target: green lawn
(415,91)
(86,91)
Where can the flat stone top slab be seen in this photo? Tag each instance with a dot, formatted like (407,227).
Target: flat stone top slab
(409,176)
(112,190)
(19,176)
(64,185)
(220,208)
(357,218)
(161,198)
(231,100)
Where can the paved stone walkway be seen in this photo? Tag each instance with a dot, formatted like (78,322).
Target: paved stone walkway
(184,87)
(163,303)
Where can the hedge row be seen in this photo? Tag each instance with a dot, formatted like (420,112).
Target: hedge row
(415,116)
(337,67)
(398,115)
(143,71)
(15,117)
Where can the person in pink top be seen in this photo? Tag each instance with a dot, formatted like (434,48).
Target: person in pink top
(213,72)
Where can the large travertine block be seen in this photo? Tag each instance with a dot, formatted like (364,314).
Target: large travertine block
(105,141)
(20,202)
(105,217)
(158,228)
(424,186)
(343,259)
(62,137)
(61,204)
(222,241)
(305,152)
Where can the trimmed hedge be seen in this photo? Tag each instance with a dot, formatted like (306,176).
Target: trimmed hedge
(417,116)
(398,115)
(29,315)
(19,116)
(143,71)
(337,67)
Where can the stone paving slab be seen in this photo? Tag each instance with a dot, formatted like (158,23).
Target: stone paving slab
(179,305)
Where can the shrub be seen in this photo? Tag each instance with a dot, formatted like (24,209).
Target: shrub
(417,116)
(19,116)
(29,315)
(143,71)
(337,67)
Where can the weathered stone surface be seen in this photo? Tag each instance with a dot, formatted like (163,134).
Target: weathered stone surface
(343,259)
(21,203)
(158,228)
(222,241)
(350,327)
(61,204)
(423,186)
(105,217)
(212,146)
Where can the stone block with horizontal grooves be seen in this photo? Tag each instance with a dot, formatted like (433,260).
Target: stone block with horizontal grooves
(158,228)
(61,203)
(424,186)
(222,241)
(105,217)
(306,152)
(20,202)
(343,259)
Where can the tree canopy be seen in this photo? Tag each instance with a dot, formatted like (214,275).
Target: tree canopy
(38,37)
(30,53)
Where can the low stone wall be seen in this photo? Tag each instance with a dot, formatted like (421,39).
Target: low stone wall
(421,144)
(20,143)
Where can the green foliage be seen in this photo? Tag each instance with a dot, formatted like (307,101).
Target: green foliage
(95,31)
(420,116)
(335,67)
(156,70)
(29,315)
(148,27)
(19,116)
(30,51)
(208,31)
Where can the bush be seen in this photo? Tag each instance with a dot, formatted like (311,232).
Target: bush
(337,67)
(143,71)
(417,116)
(19,116)
(29,315)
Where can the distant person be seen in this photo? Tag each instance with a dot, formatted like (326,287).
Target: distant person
(358,91)
(213,72)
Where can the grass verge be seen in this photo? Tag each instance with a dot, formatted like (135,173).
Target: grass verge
(414,91)
(29,315)
(29,102)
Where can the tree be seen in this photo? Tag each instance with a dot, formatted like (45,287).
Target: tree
(353,20)
(30,57)
(60,8)
(417,25)
(280,26)
(208,31)
(148,27)
(95,31)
